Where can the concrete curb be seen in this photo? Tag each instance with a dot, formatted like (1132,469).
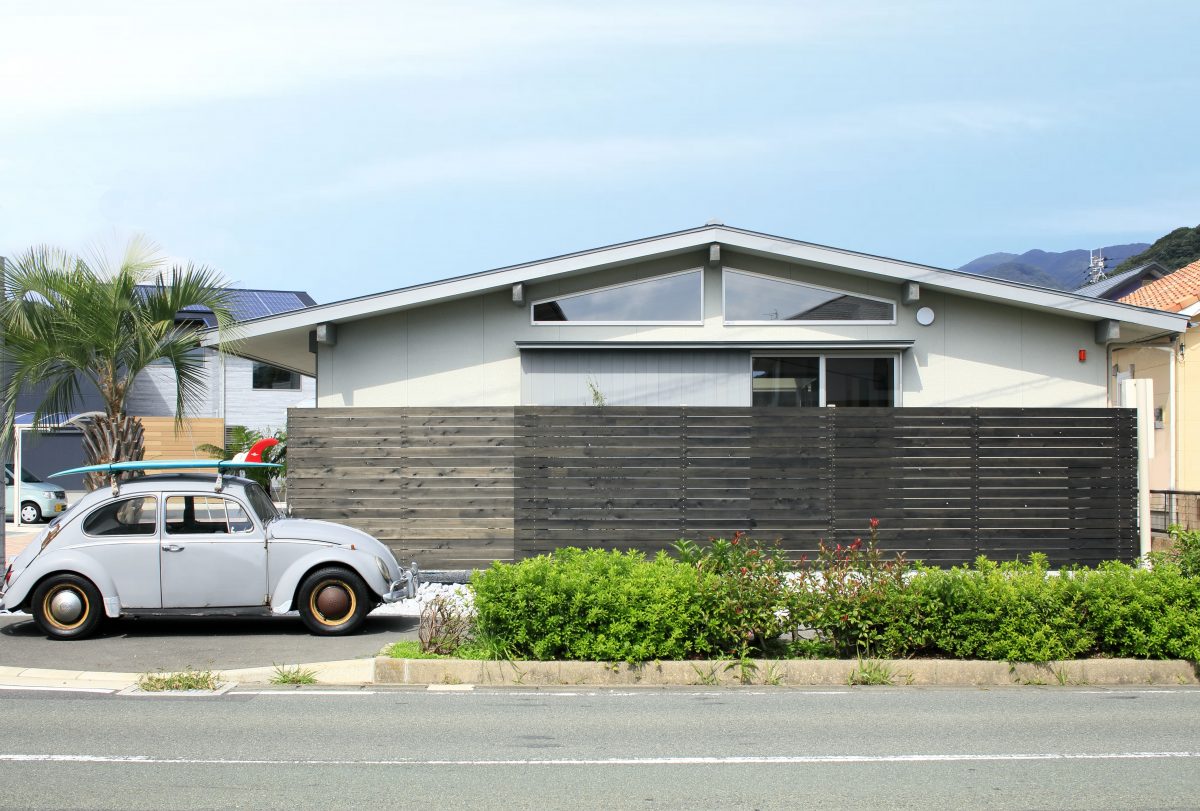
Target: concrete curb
(792,673)
(723,673)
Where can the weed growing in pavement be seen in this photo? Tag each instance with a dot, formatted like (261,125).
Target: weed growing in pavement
(293,675)
(188,679)
(871,672)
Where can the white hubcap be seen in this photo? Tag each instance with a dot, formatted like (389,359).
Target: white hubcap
(29,514)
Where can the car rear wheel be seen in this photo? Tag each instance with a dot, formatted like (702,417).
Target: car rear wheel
(67,606)
(31,513)
(334,601)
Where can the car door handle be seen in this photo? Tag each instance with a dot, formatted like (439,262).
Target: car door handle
(170,547)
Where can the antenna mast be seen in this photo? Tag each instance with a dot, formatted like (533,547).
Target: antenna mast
(1096,267)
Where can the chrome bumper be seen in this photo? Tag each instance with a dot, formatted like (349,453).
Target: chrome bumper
(406,587)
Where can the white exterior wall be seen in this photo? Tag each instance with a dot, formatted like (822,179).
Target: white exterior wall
(261,410)
(462,353)
(229,394)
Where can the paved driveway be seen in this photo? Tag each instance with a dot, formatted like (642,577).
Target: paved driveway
(141,645)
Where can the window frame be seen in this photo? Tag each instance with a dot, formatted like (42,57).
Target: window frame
(809,323)
(699,323)
(299,377)
(154,534)
(897,372)
(255,523)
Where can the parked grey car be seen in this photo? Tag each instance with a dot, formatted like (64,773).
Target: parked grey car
(194,544)
(39,501)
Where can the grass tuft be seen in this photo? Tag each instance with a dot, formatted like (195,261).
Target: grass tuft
(188,679)
(293,675)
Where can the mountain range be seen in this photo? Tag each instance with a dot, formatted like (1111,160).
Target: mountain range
(1064,270)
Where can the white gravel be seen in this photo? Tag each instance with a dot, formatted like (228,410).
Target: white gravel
(426,593)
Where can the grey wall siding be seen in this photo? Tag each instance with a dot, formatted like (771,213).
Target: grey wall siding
(641,378)
(263,411)
(228,393)
(153,391)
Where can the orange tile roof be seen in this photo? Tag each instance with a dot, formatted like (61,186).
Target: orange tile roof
(1172,292)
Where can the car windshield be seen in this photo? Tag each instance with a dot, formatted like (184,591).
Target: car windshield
(261,503)
(26,476)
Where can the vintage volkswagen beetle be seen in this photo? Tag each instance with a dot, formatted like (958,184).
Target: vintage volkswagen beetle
(191,545)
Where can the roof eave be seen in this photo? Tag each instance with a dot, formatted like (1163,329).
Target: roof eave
(747,241)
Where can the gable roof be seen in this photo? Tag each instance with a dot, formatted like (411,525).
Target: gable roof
(1102,288)
(283,339)
(1173,292)
(248,304)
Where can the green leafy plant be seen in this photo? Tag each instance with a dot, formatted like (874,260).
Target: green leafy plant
(187,679)
(594,604)
(293,675)
(239,439)
(854,597)
(748,602)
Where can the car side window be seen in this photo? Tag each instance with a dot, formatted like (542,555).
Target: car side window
(129,516)
(205,515)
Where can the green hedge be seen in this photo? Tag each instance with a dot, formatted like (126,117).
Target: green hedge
(593,605)
(732,599)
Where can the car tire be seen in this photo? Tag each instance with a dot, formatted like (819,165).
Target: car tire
(67,606)
(333,601)
(31,513)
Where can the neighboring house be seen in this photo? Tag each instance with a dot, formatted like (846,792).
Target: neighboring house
(240,391)
(1115,288)
(968,413)
(1175,373)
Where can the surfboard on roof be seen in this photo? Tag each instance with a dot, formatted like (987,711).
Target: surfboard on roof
(165,464)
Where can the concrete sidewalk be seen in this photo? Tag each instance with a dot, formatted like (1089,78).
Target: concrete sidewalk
(457,673)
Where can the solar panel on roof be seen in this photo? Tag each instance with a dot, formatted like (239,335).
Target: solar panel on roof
(280,302)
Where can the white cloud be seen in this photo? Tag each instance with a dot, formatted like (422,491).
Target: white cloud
(129,55)
(549,160)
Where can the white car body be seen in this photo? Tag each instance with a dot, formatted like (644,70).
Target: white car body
(177,561)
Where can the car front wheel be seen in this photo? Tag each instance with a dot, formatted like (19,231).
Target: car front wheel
(31,513)
(334,601)
(67,606)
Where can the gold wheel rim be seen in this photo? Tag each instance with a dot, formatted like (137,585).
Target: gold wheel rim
(49,613)
(316,612)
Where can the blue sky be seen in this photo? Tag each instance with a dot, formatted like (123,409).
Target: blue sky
(346,149)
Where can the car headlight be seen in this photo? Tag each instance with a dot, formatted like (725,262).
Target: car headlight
(62,494)
(383,569)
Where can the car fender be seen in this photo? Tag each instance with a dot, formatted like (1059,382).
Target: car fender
(72,561)
(360,562)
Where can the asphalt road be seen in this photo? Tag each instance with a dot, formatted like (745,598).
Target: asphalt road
(519,748)
(142,645)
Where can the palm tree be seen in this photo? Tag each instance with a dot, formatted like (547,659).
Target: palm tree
(71,325)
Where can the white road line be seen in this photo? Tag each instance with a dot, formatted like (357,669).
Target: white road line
(1119,691)
(57,689)
(303,692)
(740,760)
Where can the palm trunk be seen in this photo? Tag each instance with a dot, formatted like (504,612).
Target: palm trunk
(111,439)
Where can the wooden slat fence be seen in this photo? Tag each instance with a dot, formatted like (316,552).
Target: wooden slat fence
(462,487)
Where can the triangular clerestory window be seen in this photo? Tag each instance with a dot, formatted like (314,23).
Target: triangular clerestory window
(677,298)
(751,298)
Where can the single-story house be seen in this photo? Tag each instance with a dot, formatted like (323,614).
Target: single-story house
(715,317)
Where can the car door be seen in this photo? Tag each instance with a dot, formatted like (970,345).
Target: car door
(213,554)
(122,537)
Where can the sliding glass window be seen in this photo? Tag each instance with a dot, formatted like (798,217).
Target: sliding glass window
(844,381)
